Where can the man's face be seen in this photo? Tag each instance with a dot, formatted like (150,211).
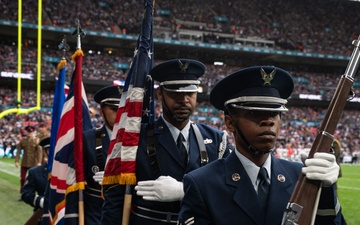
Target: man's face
(260,128)
(43,129)
(177,106)
(108,112)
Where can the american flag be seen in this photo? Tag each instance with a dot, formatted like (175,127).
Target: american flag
(136,106)
(63,176)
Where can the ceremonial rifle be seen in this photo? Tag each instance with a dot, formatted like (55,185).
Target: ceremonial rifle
(302,206)
(34,219)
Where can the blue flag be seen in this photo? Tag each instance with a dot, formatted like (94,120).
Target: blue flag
(59,99)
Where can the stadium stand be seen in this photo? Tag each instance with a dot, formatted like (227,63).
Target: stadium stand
(290,25)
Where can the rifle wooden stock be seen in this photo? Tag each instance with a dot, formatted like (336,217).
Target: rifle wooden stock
(34,219)
(302,206)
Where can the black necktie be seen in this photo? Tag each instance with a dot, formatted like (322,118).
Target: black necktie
(263,188)
(182,148)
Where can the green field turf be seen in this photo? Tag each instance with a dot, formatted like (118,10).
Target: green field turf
(349,193)
(13,212)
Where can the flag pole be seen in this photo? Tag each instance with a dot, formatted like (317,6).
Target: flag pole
(78,140)
(145,42)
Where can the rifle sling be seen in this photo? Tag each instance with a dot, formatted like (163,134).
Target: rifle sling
(99,154)
(151,149)
(204,159)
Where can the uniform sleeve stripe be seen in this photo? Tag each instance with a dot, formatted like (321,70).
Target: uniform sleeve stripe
(329,212)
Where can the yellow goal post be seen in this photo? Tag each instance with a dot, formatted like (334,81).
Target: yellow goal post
(18,108)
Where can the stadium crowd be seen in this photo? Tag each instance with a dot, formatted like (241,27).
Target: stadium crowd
(291,24)
(102,66)
(299,127)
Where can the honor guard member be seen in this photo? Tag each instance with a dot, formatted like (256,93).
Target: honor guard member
(32,154)
(162,157)
(96,144)
(251,186)
(33,191)
(42,131)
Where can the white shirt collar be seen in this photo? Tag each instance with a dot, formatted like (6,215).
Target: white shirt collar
(253,170)
(175,131)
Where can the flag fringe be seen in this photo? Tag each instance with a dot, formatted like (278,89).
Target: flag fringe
(77,53)
(75,187)
(127,178)
(61,64)
(124,178)
(111,180)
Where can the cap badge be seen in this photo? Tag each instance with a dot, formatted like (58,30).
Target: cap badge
(183,67)
(120,90)
(267,77)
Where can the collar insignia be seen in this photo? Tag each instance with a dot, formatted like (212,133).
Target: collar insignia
(281,178)
(208,141)
(235,177)
(267,77)
(95,169)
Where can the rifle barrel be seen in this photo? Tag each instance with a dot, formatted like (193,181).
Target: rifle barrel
(302,206)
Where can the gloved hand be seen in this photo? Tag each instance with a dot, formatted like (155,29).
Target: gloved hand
(322,167)
(98,177)
(41,202)
(163,189)
(303,156)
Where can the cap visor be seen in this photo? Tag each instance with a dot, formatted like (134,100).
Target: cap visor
(181,88)
(261,107)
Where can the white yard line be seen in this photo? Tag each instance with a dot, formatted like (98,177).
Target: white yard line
(350,188)
(7,168)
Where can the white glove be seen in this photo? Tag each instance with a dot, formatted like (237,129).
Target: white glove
(98,177)
(322,167)
(303,156)
(41,203)
(163,189)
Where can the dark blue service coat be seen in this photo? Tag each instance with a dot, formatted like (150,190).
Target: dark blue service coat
(35,185)
(170,164)
(222,194)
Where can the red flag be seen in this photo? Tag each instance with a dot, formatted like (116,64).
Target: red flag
(78,140)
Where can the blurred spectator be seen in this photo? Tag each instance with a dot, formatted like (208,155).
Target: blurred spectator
(34,188)
(32,155)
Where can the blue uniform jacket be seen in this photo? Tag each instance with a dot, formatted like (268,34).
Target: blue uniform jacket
(35,185)
(169,161)
(222,193)
(92,193)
